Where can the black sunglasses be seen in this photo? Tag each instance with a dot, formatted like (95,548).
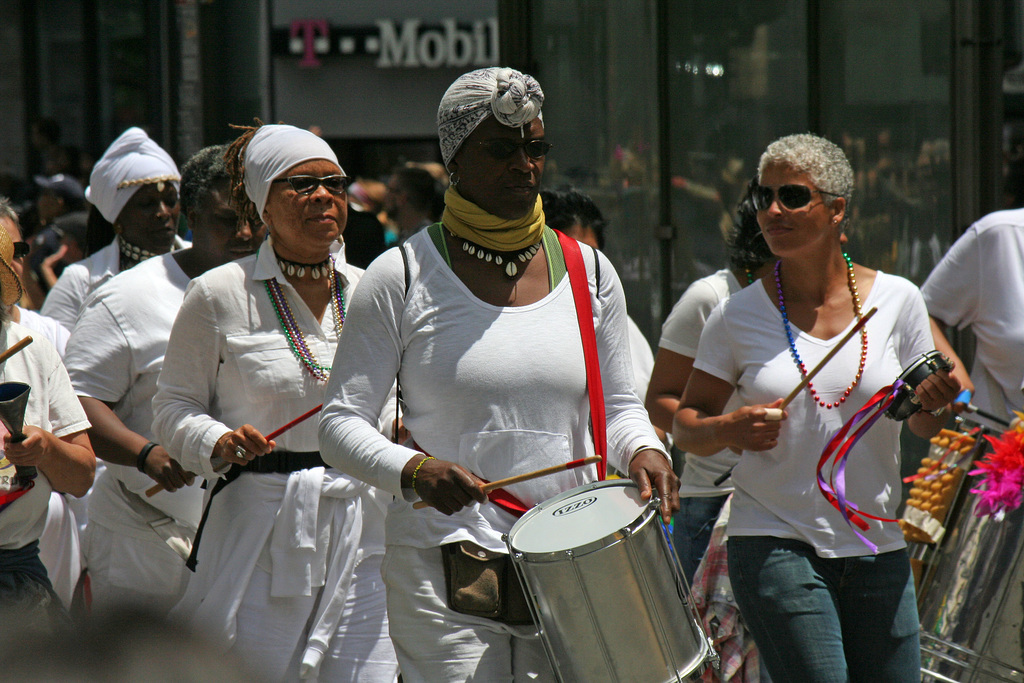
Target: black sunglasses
(790,196)
(21,249)
(503,148)
(308,184)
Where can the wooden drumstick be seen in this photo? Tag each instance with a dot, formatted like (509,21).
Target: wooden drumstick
(775,414)
(14,348)
(536,474)
(153,490)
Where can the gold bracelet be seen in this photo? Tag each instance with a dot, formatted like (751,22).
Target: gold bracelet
(417,471)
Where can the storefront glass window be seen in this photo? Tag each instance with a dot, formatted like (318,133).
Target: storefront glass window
(597,65)
(885,97)
(741,74)
(737,80)
(126,74)
(61,67)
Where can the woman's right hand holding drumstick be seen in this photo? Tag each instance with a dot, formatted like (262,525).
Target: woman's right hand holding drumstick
(443,485)
(753,428)
(240,446)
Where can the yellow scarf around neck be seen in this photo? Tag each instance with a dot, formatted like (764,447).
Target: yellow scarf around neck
(470,222)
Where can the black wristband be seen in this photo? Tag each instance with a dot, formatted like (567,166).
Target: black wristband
(140,462)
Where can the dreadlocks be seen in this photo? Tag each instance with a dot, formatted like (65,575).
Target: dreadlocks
(234,159)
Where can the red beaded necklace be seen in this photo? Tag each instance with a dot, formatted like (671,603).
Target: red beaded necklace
(851,282)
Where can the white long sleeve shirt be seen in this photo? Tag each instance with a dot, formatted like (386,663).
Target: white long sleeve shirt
(499,390)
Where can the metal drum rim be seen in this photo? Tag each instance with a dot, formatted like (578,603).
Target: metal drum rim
(648,513)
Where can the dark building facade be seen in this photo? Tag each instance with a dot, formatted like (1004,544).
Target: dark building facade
(658,108)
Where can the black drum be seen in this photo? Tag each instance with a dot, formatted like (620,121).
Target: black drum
(906,402)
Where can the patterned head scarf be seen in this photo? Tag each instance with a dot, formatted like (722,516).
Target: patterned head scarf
(512,97)
(274,149)
(131,161)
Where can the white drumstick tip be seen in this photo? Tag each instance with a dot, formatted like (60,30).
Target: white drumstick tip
(773,414)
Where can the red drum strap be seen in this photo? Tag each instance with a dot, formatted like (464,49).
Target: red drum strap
(584,313)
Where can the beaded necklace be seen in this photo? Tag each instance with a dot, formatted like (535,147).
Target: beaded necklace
(851,282)
(750,276)
(296,340)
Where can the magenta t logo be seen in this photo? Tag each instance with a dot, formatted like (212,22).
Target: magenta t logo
(304,38)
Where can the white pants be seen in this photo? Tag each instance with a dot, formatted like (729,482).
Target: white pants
(435,644)
(59,548)
(125,571)
(271,632)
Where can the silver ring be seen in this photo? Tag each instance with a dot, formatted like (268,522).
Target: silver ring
(240,452)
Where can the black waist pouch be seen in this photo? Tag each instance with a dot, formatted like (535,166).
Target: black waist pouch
(483,583)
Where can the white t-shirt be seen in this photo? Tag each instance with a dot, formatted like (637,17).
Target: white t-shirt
(776,492)
(65,301)
(499,390)
(50,328)
(641,355)
(115,355)
(680,334)
(53,406)
(980,283)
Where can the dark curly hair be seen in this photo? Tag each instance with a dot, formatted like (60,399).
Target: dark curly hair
(747,248)
(567,206)
(201,174)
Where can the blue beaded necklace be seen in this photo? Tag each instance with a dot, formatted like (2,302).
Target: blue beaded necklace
(851,281)
(296,340)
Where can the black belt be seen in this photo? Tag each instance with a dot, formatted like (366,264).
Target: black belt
(275,462)
(283,462)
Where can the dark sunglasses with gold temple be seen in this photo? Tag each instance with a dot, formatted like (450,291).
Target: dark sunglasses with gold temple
(790,196)
(308,184)
(503,148)
(21,249)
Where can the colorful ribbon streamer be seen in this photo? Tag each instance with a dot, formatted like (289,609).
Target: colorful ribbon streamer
(837,451)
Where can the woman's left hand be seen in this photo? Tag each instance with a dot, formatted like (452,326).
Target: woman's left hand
(937,390)
(652,471)
(34,451)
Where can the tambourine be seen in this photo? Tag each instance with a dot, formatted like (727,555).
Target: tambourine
(906,402)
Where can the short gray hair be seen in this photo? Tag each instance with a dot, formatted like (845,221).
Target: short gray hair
(7,210)
(821,159)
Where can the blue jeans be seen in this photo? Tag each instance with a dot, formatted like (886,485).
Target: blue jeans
(834,620)
(691,530)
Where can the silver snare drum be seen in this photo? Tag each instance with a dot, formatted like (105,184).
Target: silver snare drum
(605,590)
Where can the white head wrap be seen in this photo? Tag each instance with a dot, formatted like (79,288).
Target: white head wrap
(131,161)
(512,97)
(275,148)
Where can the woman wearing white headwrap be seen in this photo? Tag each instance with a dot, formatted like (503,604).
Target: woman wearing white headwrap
(479,332)
(287,559)
(133,191)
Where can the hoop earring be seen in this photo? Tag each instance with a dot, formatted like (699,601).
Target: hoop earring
(453,178)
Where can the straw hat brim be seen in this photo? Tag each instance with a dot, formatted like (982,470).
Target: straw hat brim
(9,283)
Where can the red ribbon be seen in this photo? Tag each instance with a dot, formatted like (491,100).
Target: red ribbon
(11,496)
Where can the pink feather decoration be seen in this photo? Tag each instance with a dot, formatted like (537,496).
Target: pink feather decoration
(1001,486)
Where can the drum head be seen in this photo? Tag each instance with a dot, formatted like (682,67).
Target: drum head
(580,517)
